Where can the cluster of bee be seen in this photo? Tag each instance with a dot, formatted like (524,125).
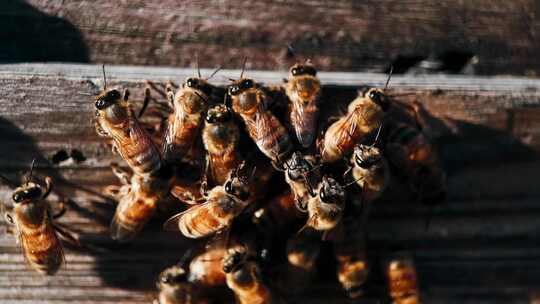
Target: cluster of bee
(263,177)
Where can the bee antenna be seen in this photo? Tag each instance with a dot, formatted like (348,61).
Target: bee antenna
(214,73)
(197,65)
(377,136)
(352,183)
(200,96)
(243,67)
(29,178)
(104,77)
(231,79)
(185,257)
(389,76)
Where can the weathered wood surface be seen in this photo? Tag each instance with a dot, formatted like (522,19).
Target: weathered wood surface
(496,37)
(481,248)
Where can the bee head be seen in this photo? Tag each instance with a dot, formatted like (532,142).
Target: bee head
(107,99)
(367,156)
(240,86)
(330,191)
(218,113)
(172,276)
(29,192)
(377,96)
(234,258)
(302,69)
(198,84)
(238,183)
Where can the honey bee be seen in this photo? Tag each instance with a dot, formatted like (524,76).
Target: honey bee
(115,119)
(350,251)
(34,225)
(138,203)
(402,282)
(220,137)
(174,288)
(244,278)
(250,102)
(183,127)
(370,170)
(300,173)
(303,250)
(304,91)
(410,151)
(223,204)
(364,115)
(326,207)
(178,285)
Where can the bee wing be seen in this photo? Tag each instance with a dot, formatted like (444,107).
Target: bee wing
(172,223)
(139,135)
(54,257)
(304,120)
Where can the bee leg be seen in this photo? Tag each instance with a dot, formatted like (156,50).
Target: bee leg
(61,212)
(48,187)
(114,148)
(113,191)
(9,218)
(123,175)
(146,101)
(100,130)
(66,236)
(152,86)
(204,182)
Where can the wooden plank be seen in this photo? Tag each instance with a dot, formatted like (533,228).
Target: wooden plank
(489,140)
(494,37)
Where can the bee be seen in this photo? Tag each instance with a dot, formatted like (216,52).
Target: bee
(250,102)
(300,173)
(196,283)
(326,207)
(244,278)
(410,151)
(223,204)
(35,227)
(138,201)
(174,288)
(183,126)
(303,250)
(402,282)
(364,115)
(350,251)
(115,119)
(304,91)
(370,170)
(220,137)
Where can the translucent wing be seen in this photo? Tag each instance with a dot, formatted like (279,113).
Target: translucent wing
(172,223)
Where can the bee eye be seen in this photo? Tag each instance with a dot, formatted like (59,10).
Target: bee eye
(210,118)
(191,83)
(311,71)
(100,104)
(246,84)
(17,197)
(322,195)
(296,71)
(228,187)
(234,90)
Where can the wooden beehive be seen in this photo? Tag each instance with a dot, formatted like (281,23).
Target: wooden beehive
(481,246)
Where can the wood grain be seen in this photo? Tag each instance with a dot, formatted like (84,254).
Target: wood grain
(481,247)
(494,37)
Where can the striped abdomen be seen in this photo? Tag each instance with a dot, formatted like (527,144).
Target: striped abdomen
(41,247)
(137,148)
(180,136)
(269,135)
(132,214)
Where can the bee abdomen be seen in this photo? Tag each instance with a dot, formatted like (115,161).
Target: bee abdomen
(199,224)
(129,220)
